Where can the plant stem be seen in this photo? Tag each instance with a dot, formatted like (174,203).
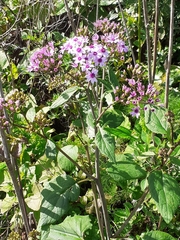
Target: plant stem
(70,16)
(146,22)
(127,33)
(155,39)
(97,9)
(139,30)
(169,52)
(11,165)
(100,223)
(101,194)
(116,235)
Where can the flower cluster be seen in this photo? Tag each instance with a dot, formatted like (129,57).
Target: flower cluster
(135,93)
(45,60)
(86,57)
(87,53)
(112,36)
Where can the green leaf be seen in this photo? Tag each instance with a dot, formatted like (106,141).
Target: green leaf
(156,120)
(64,97)
(121,132)
(166,193)
(112,78)
(57,195)
(105,143)
(112,118)
(107,2)
(157,235)
(50,150)
(63,162)
(14,71)
(30,114)
(3,60)
(72,228)
(90,124)
(2,169)
(175,160)
(125,169)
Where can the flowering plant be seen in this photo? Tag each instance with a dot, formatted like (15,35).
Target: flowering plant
(106,152)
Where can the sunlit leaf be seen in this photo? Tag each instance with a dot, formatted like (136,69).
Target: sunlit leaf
(106,144)
(157,235)
(14,71)
(155,119)
(57,195)
(64,97)
(50,150)
(63,162)
(72,228)
(30,114)
(125,169)
(121,132)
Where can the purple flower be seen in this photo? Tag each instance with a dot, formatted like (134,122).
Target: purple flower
(135,112)
(95,37)
(121,47)
(43,59)
(131,82)
(92,75)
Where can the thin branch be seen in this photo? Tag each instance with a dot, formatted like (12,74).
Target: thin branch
(11,165)
(155,39)
(139,30)
(127,33)
(141,200)
(169,52)
(97,9)
(12,26)
(146,22)
(70,16)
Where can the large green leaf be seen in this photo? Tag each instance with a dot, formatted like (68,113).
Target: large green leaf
(57,195)
(106,144)
(73,228)
(112,118)
(166,193)
(125,169)
(157,235)
(64,97)
(156,120)
(121,132)
(64,163)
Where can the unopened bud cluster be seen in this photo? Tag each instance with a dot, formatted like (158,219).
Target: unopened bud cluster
(15,100)
(11,103)
(41,120)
